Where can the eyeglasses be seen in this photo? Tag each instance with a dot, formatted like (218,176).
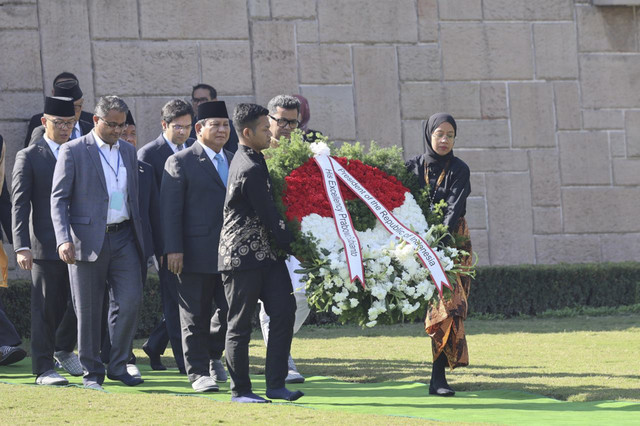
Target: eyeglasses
(283,122)
(449,136)
(113,125)
(199,100)
(180,128)
(62,124)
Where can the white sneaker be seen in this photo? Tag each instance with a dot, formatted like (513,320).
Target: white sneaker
(292,375)
(51,378)
(133,371)
(70,362)
(205,384)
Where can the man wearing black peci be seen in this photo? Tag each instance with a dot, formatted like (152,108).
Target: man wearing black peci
(251,264)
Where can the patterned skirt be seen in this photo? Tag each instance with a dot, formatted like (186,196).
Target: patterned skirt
(445,320)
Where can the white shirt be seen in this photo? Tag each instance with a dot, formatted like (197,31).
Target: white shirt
(54,146)
(211,154)
(109,157)
(173,146)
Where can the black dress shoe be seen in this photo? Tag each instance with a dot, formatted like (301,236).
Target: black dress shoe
(441,390)
(154,359)
(11,354)
(126,378)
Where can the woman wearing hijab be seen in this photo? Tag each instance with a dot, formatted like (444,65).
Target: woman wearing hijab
(448,179)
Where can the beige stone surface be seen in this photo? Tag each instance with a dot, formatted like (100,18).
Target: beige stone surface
(478,187)
(460,10)
(480,245)
(259,9)
(419,62)
(591,210)
(567,105)
(23,71)
(227,66)
(584,158)
(13,133)
(307,31)
(626,172)
(493,100)
(148,110)
(482,134)
(274,59)
(603,119)
(413,142)
(325,64)
(620,247)
(532,118)
(113,19)
(556,53)
(606,81)
(421,100)
(367,21)
(552,249)
(427,20)
(377,112)
(476,213)
(20,105)
(332,111)
(632,129)
(510,218)
(475,51)
(617,144)
(494,160)
(543,10)
(545,177)
(232,101)
(289,9)
(195,19)
(606,29)
(18,16)
(547,220)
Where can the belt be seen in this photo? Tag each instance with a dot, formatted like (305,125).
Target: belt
(115,227)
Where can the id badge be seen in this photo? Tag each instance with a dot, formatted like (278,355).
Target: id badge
(116,201)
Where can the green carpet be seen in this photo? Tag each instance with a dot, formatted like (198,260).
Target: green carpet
(393,399)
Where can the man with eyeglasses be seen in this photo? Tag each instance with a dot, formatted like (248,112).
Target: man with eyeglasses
(283,119)
(205,93)
(177,121)
(96,218)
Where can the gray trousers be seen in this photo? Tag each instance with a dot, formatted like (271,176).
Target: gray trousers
(117,269)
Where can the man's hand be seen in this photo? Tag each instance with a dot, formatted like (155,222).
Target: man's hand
(67,253)
(175,263)
(25,259)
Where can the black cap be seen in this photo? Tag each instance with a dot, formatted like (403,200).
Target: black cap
(67,88)
(212,109)
(130,121)
(59,106)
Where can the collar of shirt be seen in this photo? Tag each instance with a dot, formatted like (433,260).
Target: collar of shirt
(54,146)
(102,144)
(172,145)
(211,153)
(77,127)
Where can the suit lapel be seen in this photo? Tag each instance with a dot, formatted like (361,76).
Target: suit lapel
(92,148)
(205,162)
(45,151)
(132,169)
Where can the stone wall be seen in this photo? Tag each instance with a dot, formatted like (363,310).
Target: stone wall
(546,92)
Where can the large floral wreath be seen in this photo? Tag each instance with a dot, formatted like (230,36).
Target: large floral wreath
(396,286)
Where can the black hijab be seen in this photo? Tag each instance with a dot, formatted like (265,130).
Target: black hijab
(435,120)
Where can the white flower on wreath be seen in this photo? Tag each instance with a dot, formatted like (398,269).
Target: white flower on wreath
(319,148)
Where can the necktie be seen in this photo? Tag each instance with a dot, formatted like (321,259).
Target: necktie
(74,134)
(223,170)
(180,147)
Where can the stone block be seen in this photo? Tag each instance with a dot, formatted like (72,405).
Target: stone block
(605,209)
(476,213)
(227,66)
(510,218)
(376,119)
(20,105)
(18,16)
(259,9)
(428,20)
(493,100)
(608,80)
(545,177)
(478,188)
(556,50)
(13,134)
(620,247)
(551,249)
(603,119)
(332,111)
(460,10)
(196,19)
(419,62)
(413,142)
(20,67)
(149,117)
(617,144)
(567,98)
(421,100)
(604,29)
(532,120)
(525,10)
(113,19)
(232,101)
(125,68)
(274,59)
(307,31)
(626,171)
(632,130)
(476,51)
(65,44)
(482,134)
(325,64)
(368,21)
(584,158)
(494,160)
(547,220)
(480,245)
(291,9)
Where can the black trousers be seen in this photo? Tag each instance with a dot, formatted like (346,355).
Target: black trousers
(8,334)
(50,295)
(67,332)
(272,285)
(203,334)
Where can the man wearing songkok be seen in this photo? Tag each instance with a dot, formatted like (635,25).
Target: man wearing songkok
(252,241)
(205,93)
(177,120)
(192,197)
(35,243)
(94,207)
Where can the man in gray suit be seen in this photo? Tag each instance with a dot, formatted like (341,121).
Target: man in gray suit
(192,197)
(95,212)
(35,242)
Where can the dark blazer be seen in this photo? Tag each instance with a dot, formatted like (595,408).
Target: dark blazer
(86,124)
(192,198)
(5,206)
(31,192)
(79,197)
(156,153)
(232,143)
(149,200)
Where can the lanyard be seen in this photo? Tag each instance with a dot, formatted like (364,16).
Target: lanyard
(117,169)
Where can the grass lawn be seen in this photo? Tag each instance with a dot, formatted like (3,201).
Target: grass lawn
(575,359)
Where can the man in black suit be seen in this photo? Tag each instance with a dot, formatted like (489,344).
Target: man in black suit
(63,85)
(35,241)
(192,196)
(205,93)
(177,118)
